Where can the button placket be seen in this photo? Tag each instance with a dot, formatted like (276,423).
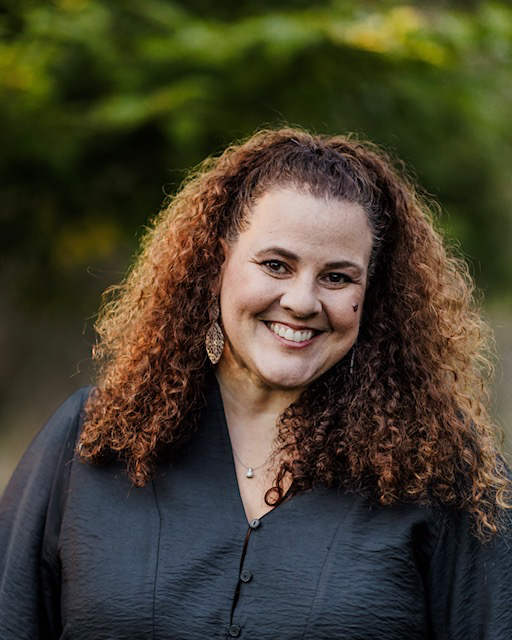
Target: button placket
(234,630)
(245,576)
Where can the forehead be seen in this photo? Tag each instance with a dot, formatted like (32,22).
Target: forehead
(307,225)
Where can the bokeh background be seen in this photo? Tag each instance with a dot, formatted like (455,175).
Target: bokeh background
(105,104)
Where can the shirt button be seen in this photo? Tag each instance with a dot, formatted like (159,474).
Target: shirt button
(245,575)
(234,630)
(254,524)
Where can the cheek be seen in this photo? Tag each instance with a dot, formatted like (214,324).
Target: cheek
(246,292)
(342,315)
(346,323)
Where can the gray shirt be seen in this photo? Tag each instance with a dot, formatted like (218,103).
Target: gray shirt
(85,556)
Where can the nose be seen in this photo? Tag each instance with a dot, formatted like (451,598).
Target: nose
(301,298)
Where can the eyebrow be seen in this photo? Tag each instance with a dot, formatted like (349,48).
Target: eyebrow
(338,264)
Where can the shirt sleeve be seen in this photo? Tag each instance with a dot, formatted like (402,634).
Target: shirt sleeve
(30,513)
(470,582)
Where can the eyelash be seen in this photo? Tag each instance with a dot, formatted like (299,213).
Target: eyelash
(267,264)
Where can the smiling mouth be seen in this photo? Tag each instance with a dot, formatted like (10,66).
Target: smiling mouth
(292,335)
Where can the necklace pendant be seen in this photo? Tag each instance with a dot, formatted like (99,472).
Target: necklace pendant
(250,473)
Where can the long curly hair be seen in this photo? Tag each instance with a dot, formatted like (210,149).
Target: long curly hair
(409,424)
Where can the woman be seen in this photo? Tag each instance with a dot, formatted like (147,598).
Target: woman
(328,472)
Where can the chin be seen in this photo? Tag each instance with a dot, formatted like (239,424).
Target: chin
(286,381)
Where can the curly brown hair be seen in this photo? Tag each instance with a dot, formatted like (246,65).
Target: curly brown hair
(410,424)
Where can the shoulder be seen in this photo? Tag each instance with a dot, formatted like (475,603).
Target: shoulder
(71,409)
(460,546)
(68,416)
(469,582)
(52,443)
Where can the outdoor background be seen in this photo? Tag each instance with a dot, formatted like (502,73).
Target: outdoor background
(104,105)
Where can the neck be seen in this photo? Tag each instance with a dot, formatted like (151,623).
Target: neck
(252,411)
(250,402)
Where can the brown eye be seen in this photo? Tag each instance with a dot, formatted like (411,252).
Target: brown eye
(275,265)
(338,278)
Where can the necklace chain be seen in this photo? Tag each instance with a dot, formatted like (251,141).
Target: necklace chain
(250,470)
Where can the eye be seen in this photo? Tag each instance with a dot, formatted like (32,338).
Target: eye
(337,278)
(275,266)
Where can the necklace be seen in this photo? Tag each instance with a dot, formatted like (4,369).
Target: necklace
(250,470)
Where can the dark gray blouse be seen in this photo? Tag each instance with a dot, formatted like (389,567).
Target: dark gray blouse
(84,556)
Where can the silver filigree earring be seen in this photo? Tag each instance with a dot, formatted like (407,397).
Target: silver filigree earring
(214,340)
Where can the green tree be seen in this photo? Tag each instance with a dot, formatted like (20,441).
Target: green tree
(104,103)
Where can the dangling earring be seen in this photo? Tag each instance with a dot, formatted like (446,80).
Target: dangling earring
(214,340)
(351,368)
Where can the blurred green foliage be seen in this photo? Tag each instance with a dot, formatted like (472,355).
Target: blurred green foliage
(104,104)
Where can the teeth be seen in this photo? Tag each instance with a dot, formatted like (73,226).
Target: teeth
(289,334)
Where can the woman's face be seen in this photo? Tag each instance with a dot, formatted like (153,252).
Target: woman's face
(292,288)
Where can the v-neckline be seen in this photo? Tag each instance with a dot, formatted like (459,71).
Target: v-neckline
(233,480)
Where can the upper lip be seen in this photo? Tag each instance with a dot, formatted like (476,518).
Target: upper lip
(296,327)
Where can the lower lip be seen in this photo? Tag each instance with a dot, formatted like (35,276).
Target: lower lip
(289,343)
